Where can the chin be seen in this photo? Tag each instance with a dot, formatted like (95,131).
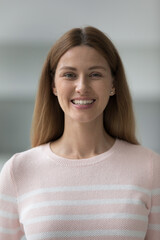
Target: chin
(87,119)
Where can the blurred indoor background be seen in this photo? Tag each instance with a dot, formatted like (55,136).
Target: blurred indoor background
(29,28)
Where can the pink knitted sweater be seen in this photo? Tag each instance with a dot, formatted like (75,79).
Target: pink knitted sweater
(114,195)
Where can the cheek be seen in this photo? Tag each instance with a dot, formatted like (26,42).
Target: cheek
(104,94)
(104,89)
(63,94)
(64,90)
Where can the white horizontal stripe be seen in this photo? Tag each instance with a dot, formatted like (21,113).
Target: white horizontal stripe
(94,233)
(8,215)
(9,230)
(154,227)
(156,191)
(82,203)
(84,188)
(155,209)
(7,198)
(87,217)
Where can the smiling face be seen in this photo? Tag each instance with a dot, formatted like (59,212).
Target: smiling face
(83,84)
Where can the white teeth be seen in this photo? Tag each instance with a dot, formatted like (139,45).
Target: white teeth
(82,102)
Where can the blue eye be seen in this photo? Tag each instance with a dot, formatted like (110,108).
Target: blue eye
(69,75)
(95,75)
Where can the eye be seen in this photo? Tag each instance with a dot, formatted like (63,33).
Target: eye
(95,75)
(69,75)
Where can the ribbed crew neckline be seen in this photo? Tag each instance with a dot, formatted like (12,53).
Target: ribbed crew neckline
(59,160)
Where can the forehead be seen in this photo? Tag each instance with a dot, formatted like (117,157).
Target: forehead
(82,56)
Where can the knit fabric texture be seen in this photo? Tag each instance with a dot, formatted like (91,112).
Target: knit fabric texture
(114,195)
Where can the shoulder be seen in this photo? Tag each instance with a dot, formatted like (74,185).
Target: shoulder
(141,161)
(24,159)
(138,152)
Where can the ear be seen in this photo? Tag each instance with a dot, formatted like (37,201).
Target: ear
(113,91)
(54,90)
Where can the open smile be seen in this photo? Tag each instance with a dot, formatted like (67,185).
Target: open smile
(83,102)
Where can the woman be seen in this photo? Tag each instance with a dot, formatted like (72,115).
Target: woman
(86,176)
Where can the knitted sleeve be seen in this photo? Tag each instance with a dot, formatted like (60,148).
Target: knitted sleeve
(9,220)
(153,232)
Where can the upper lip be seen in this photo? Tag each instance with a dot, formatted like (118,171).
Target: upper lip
(83,98)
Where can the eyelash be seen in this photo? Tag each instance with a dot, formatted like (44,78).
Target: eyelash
(96,75)
(73,75)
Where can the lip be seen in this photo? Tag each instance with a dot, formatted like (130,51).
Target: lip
(83,98)
(85,106)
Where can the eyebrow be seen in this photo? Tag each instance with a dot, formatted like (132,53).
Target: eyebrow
(91,68)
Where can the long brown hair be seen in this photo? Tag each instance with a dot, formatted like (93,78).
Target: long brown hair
(48,118)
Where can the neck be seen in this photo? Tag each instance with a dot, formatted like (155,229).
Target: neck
(83,140)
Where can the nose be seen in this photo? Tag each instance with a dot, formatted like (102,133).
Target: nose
(82,85)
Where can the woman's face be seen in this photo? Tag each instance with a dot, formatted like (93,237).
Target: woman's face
(83,84)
